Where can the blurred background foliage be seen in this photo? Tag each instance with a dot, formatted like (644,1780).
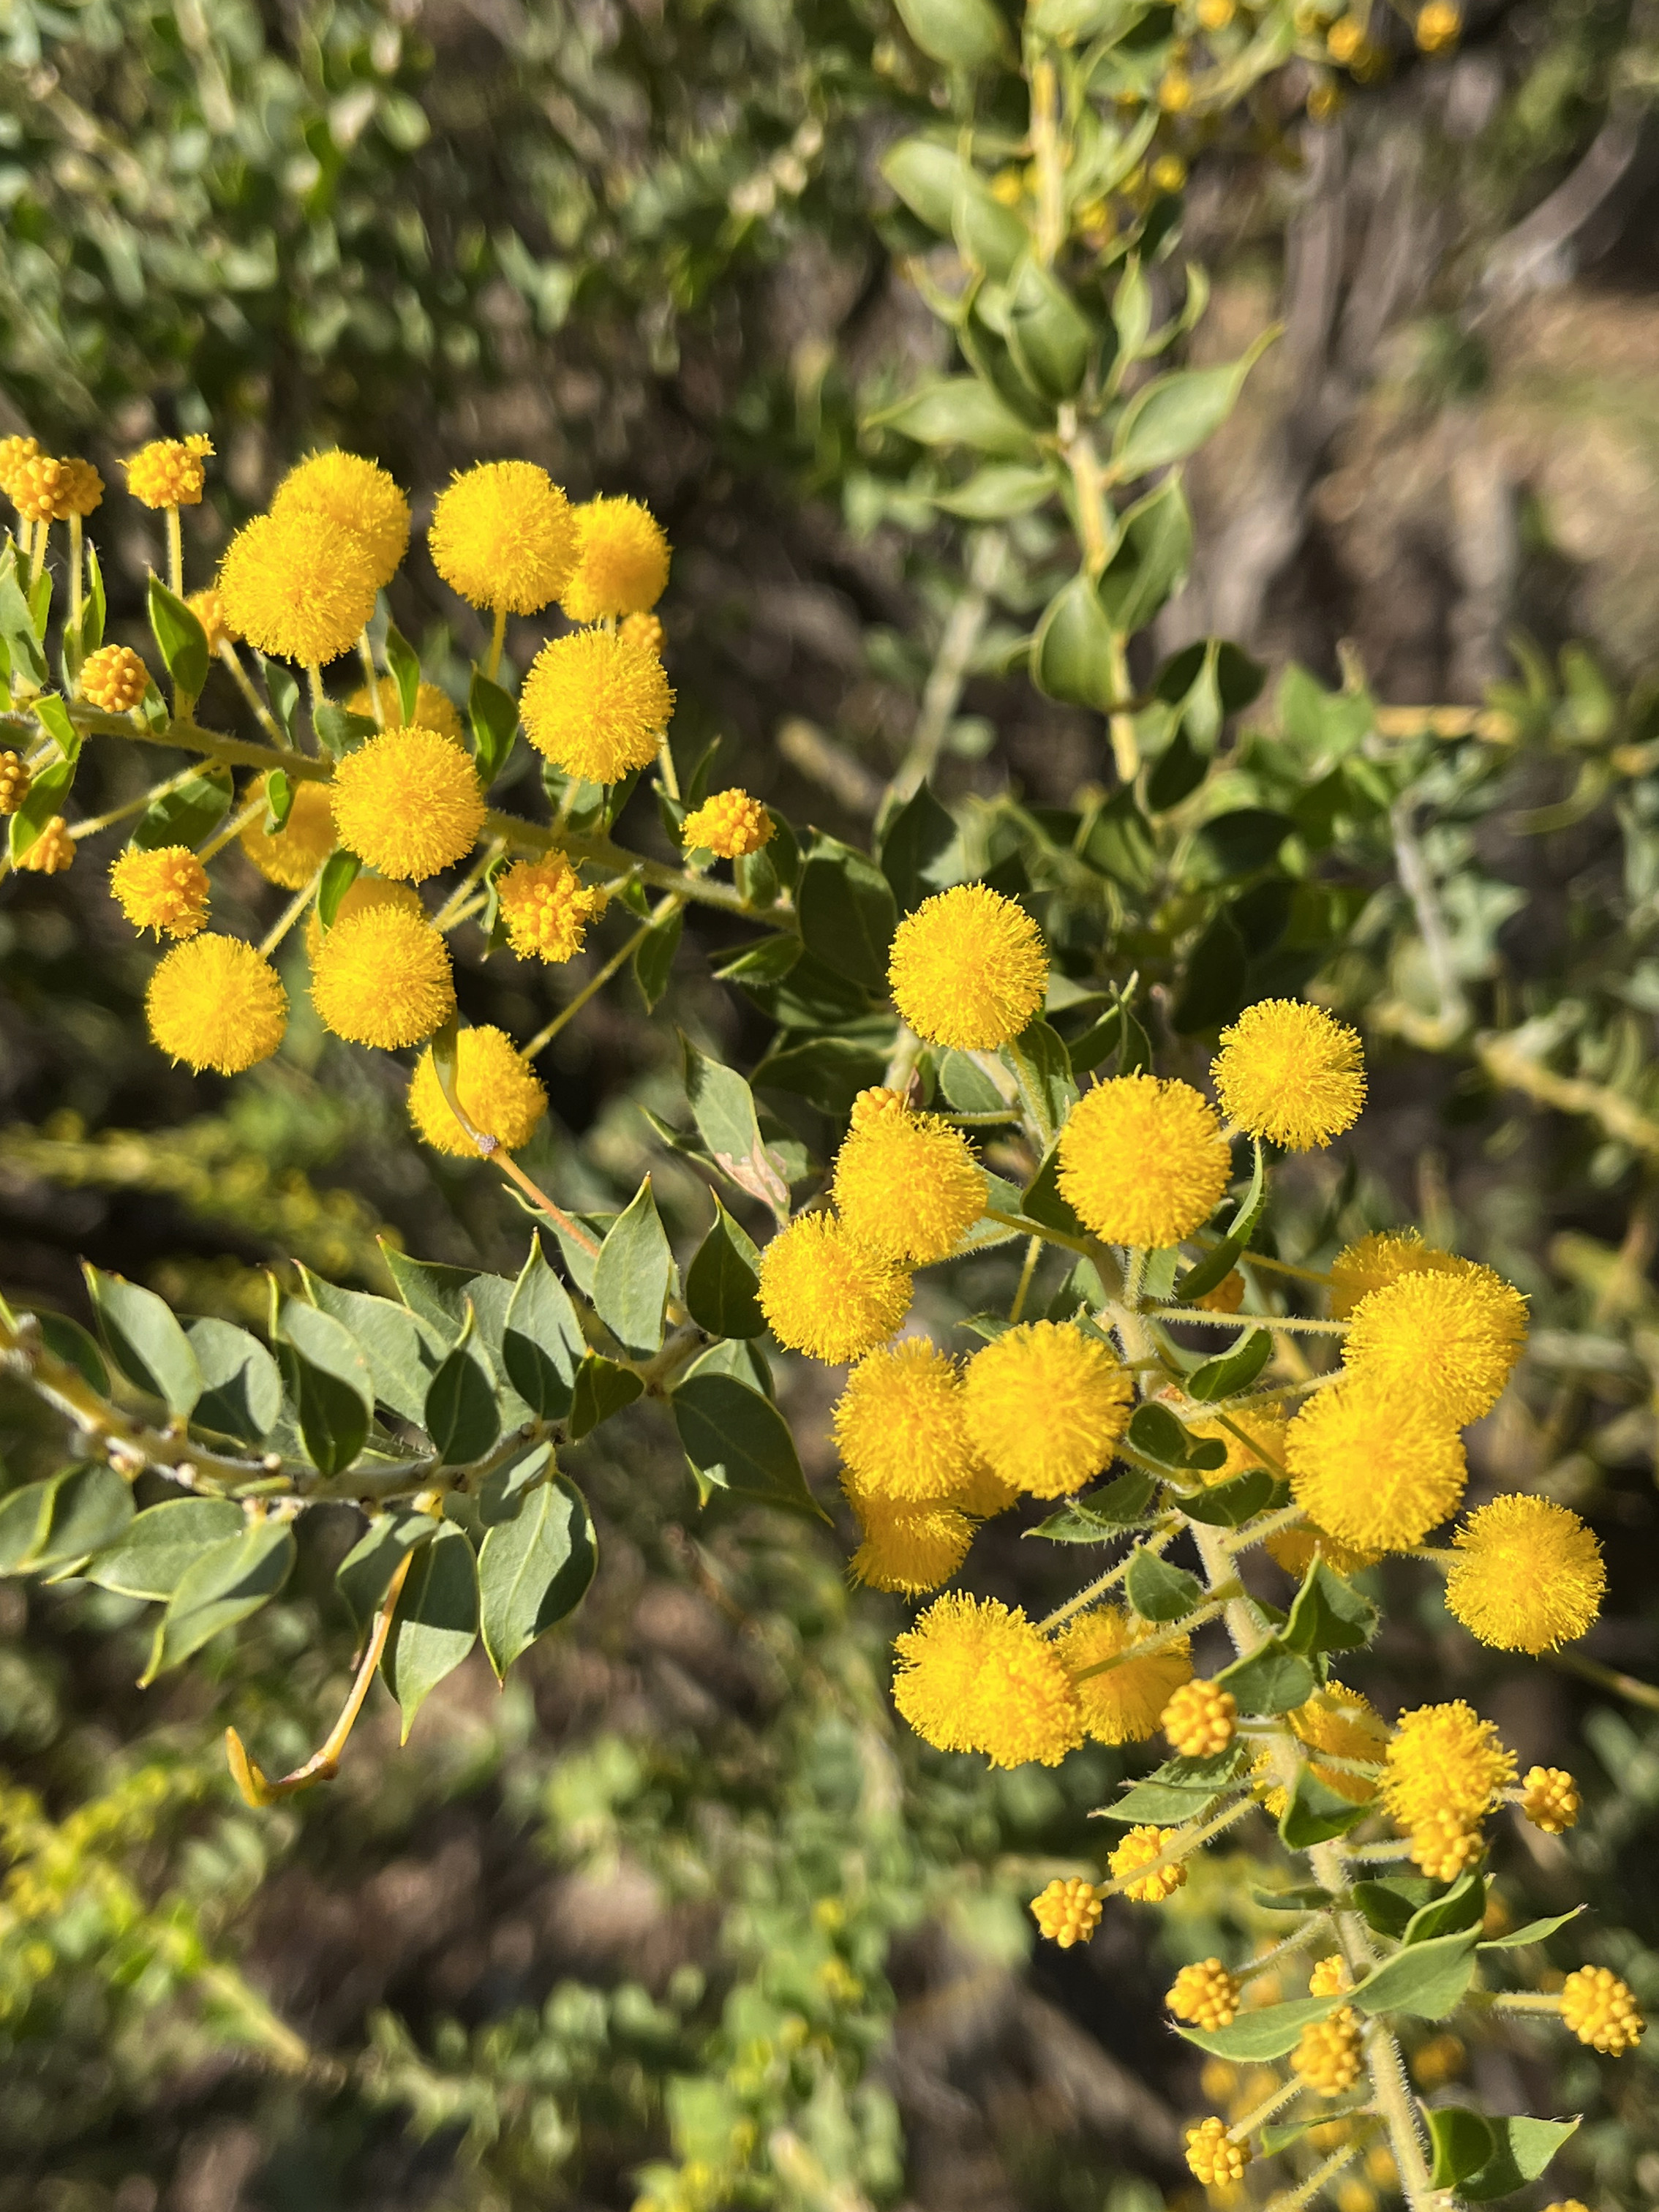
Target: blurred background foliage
(681,1905)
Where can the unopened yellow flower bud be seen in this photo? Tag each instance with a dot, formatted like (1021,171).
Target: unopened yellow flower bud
(1069,1913)
(1329,1975)
(1550,1799)
(1217,2161)
(113,679)
(209,609)
(1198,1719)
(1444,1846)
(15,780)
(1438,26)
(165,890)
(731,825)
(546,908)
(1175,92)
(169,471)
(877,1099)
(1139,1849)
(52,851)
(1328,2056)
(1345,40)
(1601,2011)
(1204,1995)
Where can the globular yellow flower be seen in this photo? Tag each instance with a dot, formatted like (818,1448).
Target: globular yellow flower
(503,536)
(546,908)
(14,452)
(169,471)
(1067,1912)
(1382,1258)
(1438,26)
(165,890)
(1125,1703)
(1143,1161)
(350,494)
(1567,2204)
(1601,2011)
(909,1552)
(1443,1846)
(499,1094)
(113,679)
(595,705)
(409,803)
(899,1425)
(291,856)
(1531,1577)
(645,632)
(974,1676)
(433,708)
(1291,1072)
(731,825)
(981,1493)
(1214,2158)
(1446,1342)
(1138,1851)
(81,489)
(1550,1799)
(622,561)
(1346,41)
(1295,1550)
(875,1098)
(1046,1407)
(361,892)
(383,978)
(969,969)
(1204,1995)
(1215,15)
(1200,1719)
(208,606)
(1343,1723)
(826,1293)
(1444,1760)
(1373,1465)
(52,851)
(216,1002)
(15,781)
(1175,92)
(908,1184)
(1329,2057)
(41,488)
(1329,1976)
(297,587)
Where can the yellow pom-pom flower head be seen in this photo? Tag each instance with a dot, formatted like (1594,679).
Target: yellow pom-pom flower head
(383,978)
(215,1003)
(1373,1467)
(362,892)
(1143,1161)
(1380,1259)
(908,1184)
(503,536)
(974,1676)
(622,561)
(498,1092)
(1531,1576)
(1445,1763)
(899,1426)
(1329,2057)
(967,968)
(13,451)
(596,705)
(1123,1696)
(297,587)
(1550,1799)
(169,471)
(291,856)
(409,803)
(826,1293)
(545,907)
(1443,1342)
(355,495)
(1046,1405)
(1067,1912)
(1292,1073)
(165,890)
(910,1552)
(731,825)
(1200,1719)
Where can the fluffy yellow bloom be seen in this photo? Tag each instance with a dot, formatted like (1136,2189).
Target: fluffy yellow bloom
(1380,1259)
(826,1293)
(622,561)
(52,851)
(546,908)
(1444,1760)
(1125,1703)
(1067,1912)
(169,471)
(908,1184)
(1373,1465)
(296,587)
(113,679)
(1531,1577)
(165,890)
(596,705)
(1198,1719)
(982,1493)
(498,1093)
(1328,2056)
(215,1002)
(1567,2204)
(1213,2157)
(1341,1722)
(1143,1161)
(350,494)
(15,781)
(1138,1848)
(1291,1072)
(910,1552)
(292,855)
(383,978)
(969,969)
(1046,1405)
(1550,1799)
(361,892)
(899,1425)
(1601,2011)
(1443,1342)
(1204,1995)
(1438,26)
(1329,1975)
(974,1676)
(409,803)
(503,537)
(13,451)
(209,608)
(433,707)
(731,825)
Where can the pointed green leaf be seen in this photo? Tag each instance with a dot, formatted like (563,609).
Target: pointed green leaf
(404,1351)
(738,1441)
(1100,1516)
(1462,1907)
(1154,552)
(534,1570)
(67,1340)
(542,1341)
(179,633)
(221,1586)
(1428,1980)
(1072,652)
(1524,2150)
(241,1390)
(1463,2142)
(403,665)
(1158,1591)
(723,1282)
(1317,1813)
(1534,1932)
(602,1388)
(1329,1615)
(494,714)
(723,1108)
(329,1380)
(1230,1504)
(653,960)
(56,1523)
(461,1415)
(145,1340)
(1218,1264)
(149,1558)
(635,1274)
(1266,2031)
(436,1623)
(1235,1371)
(364,1575)
(1270,1681)
(187,815)
(47,793)
(846,913)
(1174,415)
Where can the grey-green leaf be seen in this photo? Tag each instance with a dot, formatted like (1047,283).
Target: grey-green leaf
(436,1623)
(461,1415)
(723,1282)
(542,1342)
(634,1275)
(363,1576)
(534,1569)
(1158,1591)
(1271,1679)
(241,1390)
(846,913)
(1523,2149)
(738,1441)
(148,1559)
(1427,1980)
(1174,415)
(145,1340)
(329,1380)
(1266,2033)
(219,1589)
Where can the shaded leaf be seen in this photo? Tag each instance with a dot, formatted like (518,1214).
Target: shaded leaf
(534,1569)
(149,1558)
(738,1441)
(221,1587)
(722,1284)
(634,1275)
(241,1389)
(145,1340)
(436,1622)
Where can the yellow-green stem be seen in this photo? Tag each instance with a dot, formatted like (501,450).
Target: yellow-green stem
(497,640)
(597,984)
(175,553)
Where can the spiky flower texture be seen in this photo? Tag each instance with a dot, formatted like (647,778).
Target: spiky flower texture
(291,856)
(908,1184)
(409,803)
(1441,1341)
(350,494)
(1123,1692)
(1291,1072)
(596,705)
(497,1091)
(1046,1405)
(909,1552)
(974,1675)
(826,1293)
(1530,1577)
(1373,1467)
(967,968)
(899,1425)
(165,890)
(382,977)
(215,1003)
(1444,1761)
(546,908)
(622,561)
(503,537)
(1142,1161)
(298,588)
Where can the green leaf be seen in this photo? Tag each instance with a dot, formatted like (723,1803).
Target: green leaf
(241,1390)
(144,1341)
(959,411)
(149,1558)
(283,690)
(1534,1932)
(1271,1679)
(1154,552)
(340,871)
(967,1087)
(1230,1504)
(846,913)
(56,1523)
(949,194)
(1049,335)
(17,628)
(1181,1789)
(1158,1591)
(1428,1980)
(1235,1371)
(1174,415)
(1072,655)
(1218,1265)
(921,850)
(634,1275)
(67,1340)
(1524,2150)
(1462,1907)
(279,800)
(1214,978)
(1042,1067)
(328,1379)
(1462,2141)
(364,1575)
(340,732)
(403,1350)
(404,664)
(48,791)
(1329,1615)
(220,1588)
(1315,1812)
(998,493)
(653,957)
(542,1341)
(534,1570)
(723,1108)
(723,1282)
(1242,841)
(963,34)
(179,633)
(1155,1431)
(1266,2031)
(436,1622)
(461,1416)
(1100,1516)
(738,1441)
(602,1388)
(829,1070)
(1389,1903)
(1307,1897)
(187,815)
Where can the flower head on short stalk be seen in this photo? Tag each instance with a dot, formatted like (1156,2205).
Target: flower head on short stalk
(382,977)
(503,537)
(826,1293)
(546,908)
(409,803)
(596,705)
(1046,1405)
(215,1004)
(1290,1071)
(165,890)
(1143,1162)
(967,968)
(1067,1911)
(1530,1577)
(909,1184)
